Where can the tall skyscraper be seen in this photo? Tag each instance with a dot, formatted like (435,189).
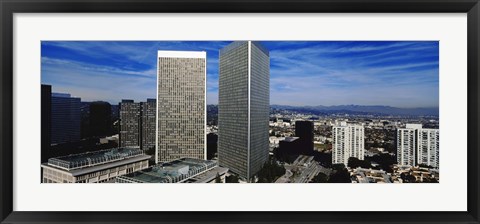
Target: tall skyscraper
(149,120)
(181,105)
(304,130)
(243,107)
(46,121)
(348,141)
(100,119)
(130,124)
(65,118)
(417,145)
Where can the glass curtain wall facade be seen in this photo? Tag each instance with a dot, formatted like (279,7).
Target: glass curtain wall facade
(65,115)
(243,108)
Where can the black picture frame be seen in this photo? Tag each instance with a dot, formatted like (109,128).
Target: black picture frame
(9,7)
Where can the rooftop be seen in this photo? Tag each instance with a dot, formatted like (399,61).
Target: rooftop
(171,172)
(290,139)
(88,159)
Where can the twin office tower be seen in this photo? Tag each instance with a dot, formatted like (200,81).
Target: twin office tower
(243,106)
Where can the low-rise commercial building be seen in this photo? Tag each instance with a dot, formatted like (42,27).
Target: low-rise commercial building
(185,170)
(94,167)
(362,175)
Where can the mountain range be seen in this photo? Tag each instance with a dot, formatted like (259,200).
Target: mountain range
(359,109)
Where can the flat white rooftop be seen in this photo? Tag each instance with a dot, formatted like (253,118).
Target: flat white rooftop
(182,54)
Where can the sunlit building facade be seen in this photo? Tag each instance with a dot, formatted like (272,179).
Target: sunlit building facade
(243,108)
(417,145)
(348,141)
(181,105)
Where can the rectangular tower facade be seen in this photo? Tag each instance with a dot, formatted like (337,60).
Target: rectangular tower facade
(149,118)
(181,105)
(46,121)
(348,141)
(406,146)
(416,145)
(428,145)
(304,130)
(243,107)
(65,115)
(130,126)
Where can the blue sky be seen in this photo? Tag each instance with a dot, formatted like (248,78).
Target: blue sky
(400,74)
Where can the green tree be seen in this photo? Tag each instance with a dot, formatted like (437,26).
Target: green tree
(232,179)
(270,172)
(338,166)
(320,178)
(340,176)
(354,163)
(408,178)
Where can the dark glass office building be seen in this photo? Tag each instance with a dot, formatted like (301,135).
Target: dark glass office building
(243,107)
(304,130)
(100,119)
(65,115)
(46,120)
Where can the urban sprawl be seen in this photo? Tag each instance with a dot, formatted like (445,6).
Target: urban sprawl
(178,138)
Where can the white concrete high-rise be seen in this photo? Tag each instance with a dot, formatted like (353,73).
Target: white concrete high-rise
(181,105)
(243,107)
(348,141)
(417,145)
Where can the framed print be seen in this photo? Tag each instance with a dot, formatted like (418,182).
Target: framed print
(246,112)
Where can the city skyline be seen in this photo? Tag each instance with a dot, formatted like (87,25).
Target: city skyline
(400,74)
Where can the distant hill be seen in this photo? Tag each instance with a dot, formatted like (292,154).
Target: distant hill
(212,110)
(358,109)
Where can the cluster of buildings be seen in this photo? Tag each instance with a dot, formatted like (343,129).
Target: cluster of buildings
(418,146)
(300,144)
(137,124)
(175,124)
(362,175)
(67,120)
(415,145)
(400,174)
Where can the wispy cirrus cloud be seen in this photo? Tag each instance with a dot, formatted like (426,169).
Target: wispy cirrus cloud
(403,74)
(395,73)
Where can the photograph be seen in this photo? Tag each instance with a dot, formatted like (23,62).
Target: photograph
(243,111)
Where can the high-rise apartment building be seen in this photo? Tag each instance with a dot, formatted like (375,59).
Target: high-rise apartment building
(417,145)
(65,117)
(243,107)
(348,141)
(181,105)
